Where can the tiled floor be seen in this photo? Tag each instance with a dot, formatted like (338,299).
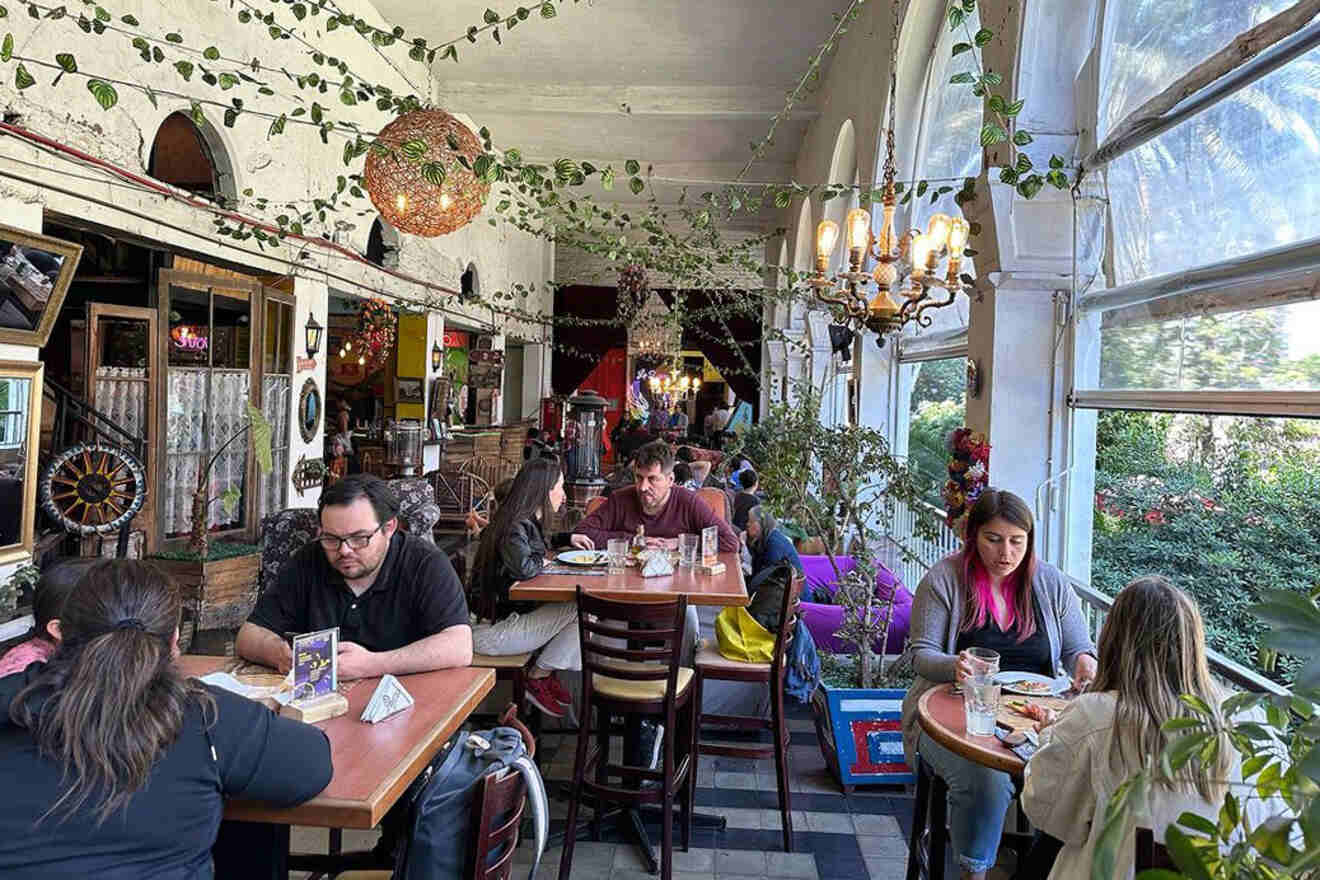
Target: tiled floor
(835,836)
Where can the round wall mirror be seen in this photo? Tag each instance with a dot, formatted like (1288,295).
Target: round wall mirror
(309,411)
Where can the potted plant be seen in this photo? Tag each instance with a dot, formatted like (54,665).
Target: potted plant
(219,578)
(842,484)
(1280,757)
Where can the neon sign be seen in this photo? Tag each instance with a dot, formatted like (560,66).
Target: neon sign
(188,337)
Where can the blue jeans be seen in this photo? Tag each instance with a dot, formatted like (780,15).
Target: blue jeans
(978,800)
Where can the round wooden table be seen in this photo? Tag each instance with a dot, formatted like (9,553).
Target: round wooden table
(940,714)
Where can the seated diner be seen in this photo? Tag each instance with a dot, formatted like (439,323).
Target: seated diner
(396,599)
(513,548)
(115,764)
(994,594)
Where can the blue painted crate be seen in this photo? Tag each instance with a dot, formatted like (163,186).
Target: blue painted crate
(868,735)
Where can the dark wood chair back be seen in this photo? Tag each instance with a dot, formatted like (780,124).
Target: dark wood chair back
(716,500)
(651,634)
(497,811)
(789,612)
(595,504)
(1151,854)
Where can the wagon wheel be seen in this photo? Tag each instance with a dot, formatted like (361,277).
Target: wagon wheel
(93,488)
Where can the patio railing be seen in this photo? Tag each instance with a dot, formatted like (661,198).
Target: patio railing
(922,553)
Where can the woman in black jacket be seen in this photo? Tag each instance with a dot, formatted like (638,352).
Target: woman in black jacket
(512,549)
(115,765)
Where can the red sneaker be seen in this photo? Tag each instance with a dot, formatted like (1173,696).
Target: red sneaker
(542,696)
(557,688)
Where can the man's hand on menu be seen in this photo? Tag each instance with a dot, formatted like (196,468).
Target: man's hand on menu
(582,542)
(356,661)
(286,658)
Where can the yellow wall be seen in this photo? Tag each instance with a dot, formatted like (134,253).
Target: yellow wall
(412,361)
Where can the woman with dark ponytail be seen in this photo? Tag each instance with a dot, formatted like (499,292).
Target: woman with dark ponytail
(115,765)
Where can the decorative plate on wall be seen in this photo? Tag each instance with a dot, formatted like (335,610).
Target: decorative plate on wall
(309,411)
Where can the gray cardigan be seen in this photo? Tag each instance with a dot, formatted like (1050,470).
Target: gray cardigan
(937,610)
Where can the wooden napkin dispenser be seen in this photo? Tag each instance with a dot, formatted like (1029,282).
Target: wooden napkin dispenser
(319,709)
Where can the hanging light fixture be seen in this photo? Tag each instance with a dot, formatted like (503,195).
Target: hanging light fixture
(312,331)
(437,357)
(921,251)
(415,178)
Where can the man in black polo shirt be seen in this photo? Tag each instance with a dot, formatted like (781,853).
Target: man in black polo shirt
(397,602)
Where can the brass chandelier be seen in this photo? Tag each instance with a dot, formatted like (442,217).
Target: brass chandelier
(914,256)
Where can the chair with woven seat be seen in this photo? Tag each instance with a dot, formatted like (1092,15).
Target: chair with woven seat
(710,665)
(641,680)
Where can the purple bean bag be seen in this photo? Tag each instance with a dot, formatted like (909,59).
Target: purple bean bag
(823,620)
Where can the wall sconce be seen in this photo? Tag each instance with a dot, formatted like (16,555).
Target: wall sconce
(437,357)
(313,332)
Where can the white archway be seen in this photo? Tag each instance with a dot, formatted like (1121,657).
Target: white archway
(843,172)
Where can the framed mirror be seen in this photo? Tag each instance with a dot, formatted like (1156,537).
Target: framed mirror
(20,434)
(309,411)
(35,271)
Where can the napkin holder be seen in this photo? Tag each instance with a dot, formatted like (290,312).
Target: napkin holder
(316,709)
(657,565)
(710,569)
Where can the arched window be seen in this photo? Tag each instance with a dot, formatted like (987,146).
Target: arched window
(192,158)
(948,145)
(383,245)
(470,285)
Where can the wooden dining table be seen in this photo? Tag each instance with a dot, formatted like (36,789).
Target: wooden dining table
(373,763)
(726,589)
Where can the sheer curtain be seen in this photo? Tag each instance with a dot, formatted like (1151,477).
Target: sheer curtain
(275,390)
(200,423)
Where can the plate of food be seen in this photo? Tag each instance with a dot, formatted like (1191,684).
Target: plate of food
(584,557)
(1031,684)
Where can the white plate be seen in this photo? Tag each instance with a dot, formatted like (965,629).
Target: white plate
(583,557)
(1008,679)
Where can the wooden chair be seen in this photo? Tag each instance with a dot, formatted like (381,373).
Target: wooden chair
(711,665)
(372,459)
(1151,854)
(497,811)
(641,680)
(716,500)
(595,504)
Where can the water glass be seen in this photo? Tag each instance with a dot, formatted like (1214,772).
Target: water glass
(688,548)
(618,555)
(980,707)
(985,664)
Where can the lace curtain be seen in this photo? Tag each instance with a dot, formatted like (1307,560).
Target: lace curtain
(121,393)
(192,435)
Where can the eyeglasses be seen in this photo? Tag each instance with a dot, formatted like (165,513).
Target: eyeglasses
(355,542)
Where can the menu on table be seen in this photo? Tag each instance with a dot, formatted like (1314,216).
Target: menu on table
(315,664)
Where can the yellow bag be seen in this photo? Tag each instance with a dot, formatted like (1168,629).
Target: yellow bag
(740,637)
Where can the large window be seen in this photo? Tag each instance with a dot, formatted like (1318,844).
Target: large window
(937,406)
(276,390)
(13,412)
(951,120)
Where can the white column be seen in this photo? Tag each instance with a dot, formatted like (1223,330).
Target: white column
(311,298)
(435,335)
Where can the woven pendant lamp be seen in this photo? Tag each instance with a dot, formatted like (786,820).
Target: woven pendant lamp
(419,186)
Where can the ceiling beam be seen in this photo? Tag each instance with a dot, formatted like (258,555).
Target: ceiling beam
(705,102)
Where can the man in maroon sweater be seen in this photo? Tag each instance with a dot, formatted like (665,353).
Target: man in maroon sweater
(665,510)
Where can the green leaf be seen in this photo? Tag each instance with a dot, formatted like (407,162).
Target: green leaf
(261,437)
(959,79)
(632,166)
(992,79)
(959,48)
(1014,108)
(1022,138)
(956,16)
(211,53)
(482,165)
(1008,175)
(7,48)
(992,134)
(1184,854)
(185,69)
(548,10)
(228,81)
(103,92)
(983,36)
(347,97)
(23,79)
(66,62)
(782,198)
(173,38)
(996,104)
(434,173)
(195,112)
(1023,163)
(318,113)
(490,16)
(129,20)
(1199,823)
(414,148)
(450,52)
(277,127)
(636,185)
(607,179)
(921,188)
(1057,179)
(231,117)
(151,96)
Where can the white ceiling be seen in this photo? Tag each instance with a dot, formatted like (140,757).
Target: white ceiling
(681,85)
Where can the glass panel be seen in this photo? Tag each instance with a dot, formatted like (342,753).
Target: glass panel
(229,398)
(122,372)
(190,327)
(185,444)
(232,330)
(1224,506)
(938,405)
(1275,349)
(1238,178)
(279,337)
(1143,54)
(275,405)
(952,123)
(14,394)
(124,344)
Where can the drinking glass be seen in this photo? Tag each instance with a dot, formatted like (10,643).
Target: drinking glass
(985,664)
(618,555)
(980,706)
(688,546)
